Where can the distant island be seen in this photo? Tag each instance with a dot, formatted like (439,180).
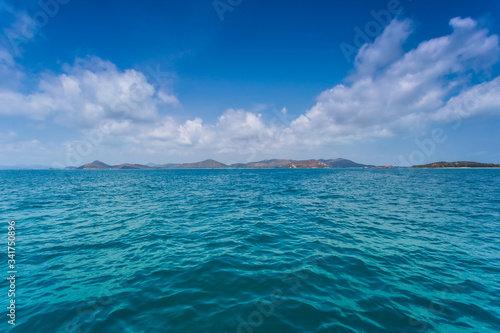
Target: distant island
(459,164)
(212,164)
(337,163)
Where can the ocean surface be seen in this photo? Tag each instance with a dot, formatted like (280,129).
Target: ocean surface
(253,250)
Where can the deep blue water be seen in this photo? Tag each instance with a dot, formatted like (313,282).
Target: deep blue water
(253,250)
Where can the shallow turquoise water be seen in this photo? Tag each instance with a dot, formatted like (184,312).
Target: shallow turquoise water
(254,250)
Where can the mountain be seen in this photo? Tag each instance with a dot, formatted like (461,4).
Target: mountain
(161,166)
(459,164)
(265,164)
(343,163)
(170,165)
(128,166)
(308,164)
(98,165)
(95,165)
(207,164)
(212,164)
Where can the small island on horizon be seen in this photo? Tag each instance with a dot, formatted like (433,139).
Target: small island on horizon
(459,164)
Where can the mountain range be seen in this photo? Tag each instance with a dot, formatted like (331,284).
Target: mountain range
(212,164)
(340,163)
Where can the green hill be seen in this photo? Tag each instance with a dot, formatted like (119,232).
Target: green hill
(459,164)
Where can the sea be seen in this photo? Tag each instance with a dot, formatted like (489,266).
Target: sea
(249,251)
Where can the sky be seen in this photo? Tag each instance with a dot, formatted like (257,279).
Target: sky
(396,82)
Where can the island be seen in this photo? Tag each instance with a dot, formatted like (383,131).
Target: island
(459,164)
(340,163)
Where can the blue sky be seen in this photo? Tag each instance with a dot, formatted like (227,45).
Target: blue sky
(381,82)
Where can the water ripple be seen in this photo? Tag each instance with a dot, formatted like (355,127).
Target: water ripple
(256,250)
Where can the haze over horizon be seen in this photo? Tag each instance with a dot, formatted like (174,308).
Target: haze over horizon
(376,82)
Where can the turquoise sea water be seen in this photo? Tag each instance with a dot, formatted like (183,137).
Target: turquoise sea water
(253,250)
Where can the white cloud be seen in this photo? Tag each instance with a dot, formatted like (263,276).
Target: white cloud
(236,132)
(35,106)
(9,70)
(393,91)
(191,133)
(89,91)
(233,129)
(483,98)
(384,51)
(23,147)
(166,129)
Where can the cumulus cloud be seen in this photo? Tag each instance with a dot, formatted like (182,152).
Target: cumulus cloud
(392,90)
(483,98)
(233,129)
(89,91)
(192,132)
(236,131)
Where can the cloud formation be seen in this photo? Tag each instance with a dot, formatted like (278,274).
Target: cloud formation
(89,91)
(391,90)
